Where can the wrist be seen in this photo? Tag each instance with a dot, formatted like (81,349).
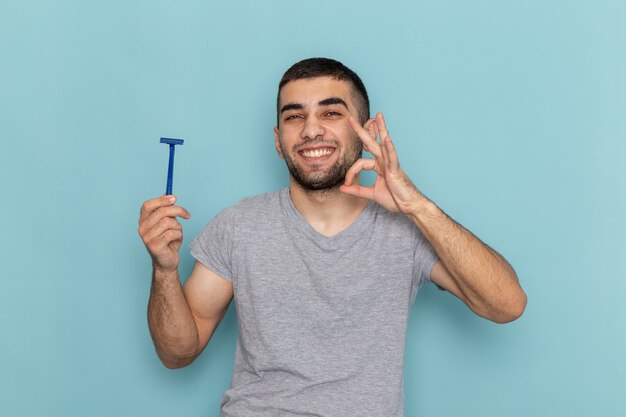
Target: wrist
(422,209)
(161,272)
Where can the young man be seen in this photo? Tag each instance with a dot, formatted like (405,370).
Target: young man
(324,273)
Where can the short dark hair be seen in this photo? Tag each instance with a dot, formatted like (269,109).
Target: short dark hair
(326,67)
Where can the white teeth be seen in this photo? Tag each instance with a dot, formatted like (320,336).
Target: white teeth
(317,153)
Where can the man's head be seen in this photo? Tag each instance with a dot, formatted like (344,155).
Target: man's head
(316,98)
(326,67)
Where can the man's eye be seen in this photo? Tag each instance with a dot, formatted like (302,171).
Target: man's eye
(332,113)
(292,117)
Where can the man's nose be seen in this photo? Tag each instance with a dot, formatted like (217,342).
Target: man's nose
(312,129)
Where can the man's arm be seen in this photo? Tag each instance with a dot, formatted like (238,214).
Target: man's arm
(468,268)
(181,320)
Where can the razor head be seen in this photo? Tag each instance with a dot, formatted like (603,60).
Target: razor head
(172,141)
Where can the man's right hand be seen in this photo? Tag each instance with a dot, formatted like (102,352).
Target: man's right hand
(161,232)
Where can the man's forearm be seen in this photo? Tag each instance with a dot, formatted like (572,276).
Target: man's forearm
(487,283)
(172,325)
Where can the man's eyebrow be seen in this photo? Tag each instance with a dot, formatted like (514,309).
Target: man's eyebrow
(333,100)
(291,106)
(326,102)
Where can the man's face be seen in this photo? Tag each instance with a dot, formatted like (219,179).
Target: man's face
(313,135)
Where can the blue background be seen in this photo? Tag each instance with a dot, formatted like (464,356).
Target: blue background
(510,115)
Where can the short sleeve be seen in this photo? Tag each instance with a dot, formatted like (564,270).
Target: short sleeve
(425,259)
(213,246)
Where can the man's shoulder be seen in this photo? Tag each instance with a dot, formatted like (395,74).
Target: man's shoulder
(258,202)
(394,223)
(391,217)
(254,207)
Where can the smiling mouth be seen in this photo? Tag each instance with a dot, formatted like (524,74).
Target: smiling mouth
(316,153)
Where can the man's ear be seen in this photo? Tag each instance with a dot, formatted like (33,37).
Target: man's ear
(277,143)
(371,127)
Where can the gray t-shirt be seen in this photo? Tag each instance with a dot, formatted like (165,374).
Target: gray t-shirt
(322,320)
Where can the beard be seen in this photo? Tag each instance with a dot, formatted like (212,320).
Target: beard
(318,179)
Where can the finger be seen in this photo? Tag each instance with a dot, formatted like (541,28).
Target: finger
(167,223)
(391,156)
(172,236)
(388,149)
(158,238)
(382,127)
(383,149)
(358,166)
(368,141)
(372,129)
(160,213)
(358,191)
(161,242)
(149,206)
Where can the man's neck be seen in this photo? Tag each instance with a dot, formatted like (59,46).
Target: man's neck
(327,211)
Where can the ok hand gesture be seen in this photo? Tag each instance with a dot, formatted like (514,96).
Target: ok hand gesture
(393,189)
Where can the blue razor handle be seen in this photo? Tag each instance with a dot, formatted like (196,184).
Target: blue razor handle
(170,168)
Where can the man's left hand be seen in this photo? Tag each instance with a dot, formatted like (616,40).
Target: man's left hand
(392,189)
